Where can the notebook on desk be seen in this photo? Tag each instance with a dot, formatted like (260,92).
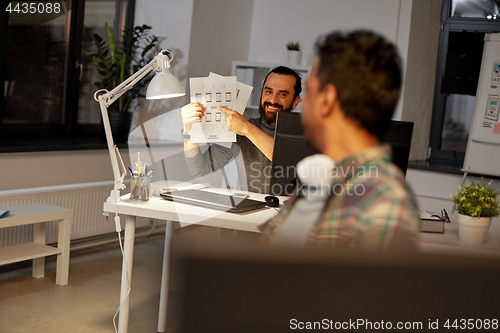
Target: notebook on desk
(224,202)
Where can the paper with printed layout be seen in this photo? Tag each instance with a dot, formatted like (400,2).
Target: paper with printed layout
(214,91)
(243,92)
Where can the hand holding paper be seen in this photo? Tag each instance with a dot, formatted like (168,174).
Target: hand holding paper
(191,113)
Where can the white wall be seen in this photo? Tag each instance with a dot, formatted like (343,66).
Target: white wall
(172,22)
(274,23)
(220,34)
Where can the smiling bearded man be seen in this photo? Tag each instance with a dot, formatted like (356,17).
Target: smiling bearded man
(253,149)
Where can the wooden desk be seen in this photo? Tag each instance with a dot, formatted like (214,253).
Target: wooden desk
(157,208)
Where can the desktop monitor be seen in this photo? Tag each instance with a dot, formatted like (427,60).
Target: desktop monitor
(290,147)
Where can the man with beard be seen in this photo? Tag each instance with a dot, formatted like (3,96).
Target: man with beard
(255,137)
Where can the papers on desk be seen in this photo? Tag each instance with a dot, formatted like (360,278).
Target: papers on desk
(164,186)
(186,186)
(432,222)
(214,91)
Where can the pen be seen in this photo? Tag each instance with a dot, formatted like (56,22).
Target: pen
(131,171)
(139,163)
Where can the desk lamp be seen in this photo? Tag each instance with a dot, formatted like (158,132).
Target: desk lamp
(163,85)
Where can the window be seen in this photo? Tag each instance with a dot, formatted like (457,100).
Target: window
(463,26)
(48,74)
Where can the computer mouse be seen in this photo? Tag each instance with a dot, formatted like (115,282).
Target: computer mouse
(272,201)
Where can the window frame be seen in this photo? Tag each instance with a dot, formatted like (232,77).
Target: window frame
(450,24)
(70,135)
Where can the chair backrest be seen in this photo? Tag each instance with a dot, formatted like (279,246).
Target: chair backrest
(262,292)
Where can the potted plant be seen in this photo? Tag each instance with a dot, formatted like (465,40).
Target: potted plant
(294,53)
(115,63)
(476,204)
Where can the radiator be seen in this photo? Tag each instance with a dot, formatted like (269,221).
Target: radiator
(86,200)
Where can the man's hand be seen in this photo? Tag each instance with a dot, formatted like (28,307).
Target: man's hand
(191,113)
(235,122)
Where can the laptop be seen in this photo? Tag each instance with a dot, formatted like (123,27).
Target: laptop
(224,202)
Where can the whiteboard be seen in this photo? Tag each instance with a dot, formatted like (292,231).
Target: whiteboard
(483,147)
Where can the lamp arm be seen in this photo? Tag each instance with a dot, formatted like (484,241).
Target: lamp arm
(111,96)
(118,183)
(105,100)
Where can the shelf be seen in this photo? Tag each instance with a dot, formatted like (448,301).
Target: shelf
(26,251)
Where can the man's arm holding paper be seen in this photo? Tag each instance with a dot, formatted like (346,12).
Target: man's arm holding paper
(235,123)
(198,164)
(238,124)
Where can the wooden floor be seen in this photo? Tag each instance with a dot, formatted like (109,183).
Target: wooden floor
(91,299)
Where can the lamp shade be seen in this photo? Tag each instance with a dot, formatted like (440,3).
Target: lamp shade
(164,85)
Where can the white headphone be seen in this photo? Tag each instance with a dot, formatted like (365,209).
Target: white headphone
(315,170)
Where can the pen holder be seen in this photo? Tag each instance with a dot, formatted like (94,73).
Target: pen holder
(140,188)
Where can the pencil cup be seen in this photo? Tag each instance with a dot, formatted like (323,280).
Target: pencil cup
(140,188)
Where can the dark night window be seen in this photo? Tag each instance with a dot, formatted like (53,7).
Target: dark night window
(48,76)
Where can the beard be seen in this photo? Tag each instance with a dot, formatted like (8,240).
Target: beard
(269,118)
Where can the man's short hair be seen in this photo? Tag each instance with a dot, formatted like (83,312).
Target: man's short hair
(283,70)
(366,72)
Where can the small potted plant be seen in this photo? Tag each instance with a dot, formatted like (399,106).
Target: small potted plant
(294,53)
(476,204)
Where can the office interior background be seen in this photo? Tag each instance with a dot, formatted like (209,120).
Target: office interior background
(206,36)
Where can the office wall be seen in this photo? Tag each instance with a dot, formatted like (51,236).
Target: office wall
(37,169)
(172,21)
(274,23)
(220,34)
(418,95)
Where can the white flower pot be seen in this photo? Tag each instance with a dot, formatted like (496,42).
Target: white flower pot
(294,57)
(473,230)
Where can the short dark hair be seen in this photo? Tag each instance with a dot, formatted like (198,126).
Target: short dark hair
(283,70)
(366,72)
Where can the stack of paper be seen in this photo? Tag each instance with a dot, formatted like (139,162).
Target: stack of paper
(214,91)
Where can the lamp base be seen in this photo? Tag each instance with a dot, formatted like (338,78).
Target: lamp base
(113,198)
